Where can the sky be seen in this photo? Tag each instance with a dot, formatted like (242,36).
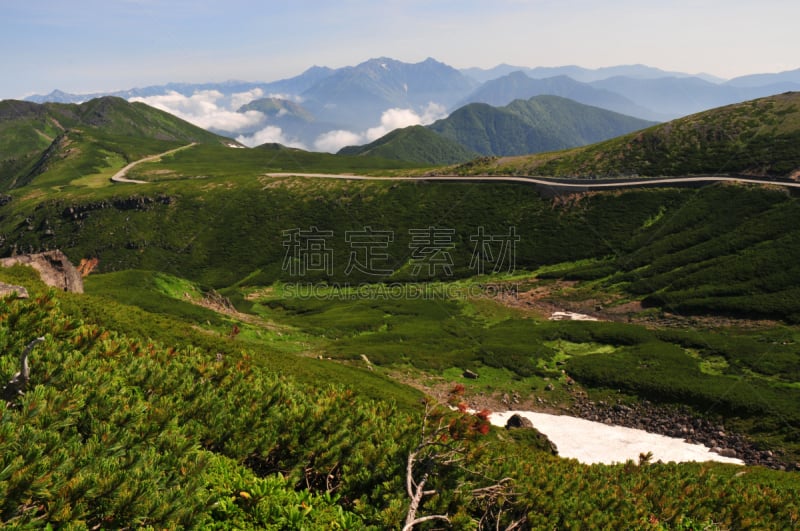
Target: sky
(87,46)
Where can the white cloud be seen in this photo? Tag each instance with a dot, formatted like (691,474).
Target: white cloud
(333,141)
(243,98)
(269,134)
(391,119)
(211,109)
(296,98)
(433,112)
(204,110)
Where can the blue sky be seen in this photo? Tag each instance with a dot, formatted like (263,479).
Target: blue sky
(98,45)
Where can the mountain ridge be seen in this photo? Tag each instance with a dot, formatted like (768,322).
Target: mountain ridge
(415,143)
(35,138)
(756,137)
(541,123)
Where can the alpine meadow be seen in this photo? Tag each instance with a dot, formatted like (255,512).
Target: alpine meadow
(341,300)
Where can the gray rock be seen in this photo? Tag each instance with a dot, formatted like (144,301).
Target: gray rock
(54,268)
(10,289)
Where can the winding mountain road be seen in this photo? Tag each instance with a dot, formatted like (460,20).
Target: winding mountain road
(119,177)
(559,184)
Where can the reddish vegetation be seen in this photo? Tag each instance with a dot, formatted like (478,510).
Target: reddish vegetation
(87,266)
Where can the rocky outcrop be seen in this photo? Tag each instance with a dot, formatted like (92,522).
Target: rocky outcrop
(135,202)
(54,268)
(10,289)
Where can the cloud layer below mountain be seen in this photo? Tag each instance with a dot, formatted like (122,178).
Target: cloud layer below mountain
(211,109)
(391,119)
(208,109)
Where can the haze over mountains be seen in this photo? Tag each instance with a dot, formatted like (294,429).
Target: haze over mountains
(324,109)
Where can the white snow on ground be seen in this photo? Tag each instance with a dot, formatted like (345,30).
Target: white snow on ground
(594,442)
(571,316)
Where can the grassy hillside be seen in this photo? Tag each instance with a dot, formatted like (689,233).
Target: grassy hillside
(226,229)
(71,141)
(758,137)
(228,222)
(415,144)
(542,123)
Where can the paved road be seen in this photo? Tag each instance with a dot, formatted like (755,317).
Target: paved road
(561,184)
(119,177)
(551,184)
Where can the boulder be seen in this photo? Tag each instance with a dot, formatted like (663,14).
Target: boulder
(518,421)
(54,268)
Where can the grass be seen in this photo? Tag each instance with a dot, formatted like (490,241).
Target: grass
(152,305)
(567,349)
(114,162)
(210,161)
(677,250)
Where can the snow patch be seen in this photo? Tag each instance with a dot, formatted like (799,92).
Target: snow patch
(571,316)
(594,442)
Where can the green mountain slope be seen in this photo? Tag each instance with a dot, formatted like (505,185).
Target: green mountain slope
(70,141)
(227,229)
(758,137)
(414,144)
(726,250)
(542,123)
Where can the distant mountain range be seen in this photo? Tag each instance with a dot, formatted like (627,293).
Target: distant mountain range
(354,99)
(517,85)
(585,75)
